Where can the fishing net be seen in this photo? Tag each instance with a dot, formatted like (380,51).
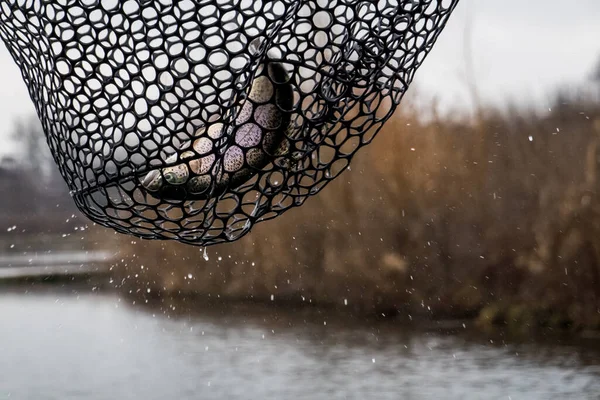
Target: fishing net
(194,120)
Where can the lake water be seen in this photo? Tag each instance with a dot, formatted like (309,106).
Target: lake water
(68,345)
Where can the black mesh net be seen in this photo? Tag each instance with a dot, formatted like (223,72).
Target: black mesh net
(194,120)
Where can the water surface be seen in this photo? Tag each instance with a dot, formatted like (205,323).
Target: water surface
(68,345)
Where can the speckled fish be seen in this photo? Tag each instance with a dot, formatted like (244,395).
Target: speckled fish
(259,134)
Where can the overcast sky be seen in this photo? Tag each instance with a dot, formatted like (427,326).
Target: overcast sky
(521,51)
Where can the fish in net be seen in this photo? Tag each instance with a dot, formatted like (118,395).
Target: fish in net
(195,120)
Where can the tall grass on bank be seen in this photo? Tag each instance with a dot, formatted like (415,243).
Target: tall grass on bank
(496,217)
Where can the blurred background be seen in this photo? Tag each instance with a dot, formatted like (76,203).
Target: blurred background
(459,257)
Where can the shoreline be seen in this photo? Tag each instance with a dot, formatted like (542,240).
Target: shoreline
(186,305)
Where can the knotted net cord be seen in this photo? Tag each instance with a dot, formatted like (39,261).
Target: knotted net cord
(194,120)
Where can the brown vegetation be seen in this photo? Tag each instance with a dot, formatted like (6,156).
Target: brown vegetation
(497,218)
